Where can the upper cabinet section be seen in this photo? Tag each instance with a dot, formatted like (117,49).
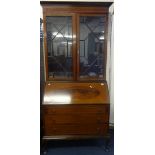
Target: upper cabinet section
(75,42)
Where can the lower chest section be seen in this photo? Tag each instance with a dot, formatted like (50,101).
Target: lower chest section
(72,120)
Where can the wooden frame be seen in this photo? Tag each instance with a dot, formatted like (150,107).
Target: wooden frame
(75,12)
(45,44)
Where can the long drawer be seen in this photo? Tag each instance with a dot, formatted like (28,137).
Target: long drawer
(72,109)
(92,129)
(76,119)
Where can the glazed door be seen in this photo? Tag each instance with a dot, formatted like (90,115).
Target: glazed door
(92,46)
(59,47)
(75,46)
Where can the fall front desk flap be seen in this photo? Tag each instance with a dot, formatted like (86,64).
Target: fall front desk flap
(76,93)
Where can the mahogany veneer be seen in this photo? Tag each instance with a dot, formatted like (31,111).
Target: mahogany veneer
(75,106)
(75,109)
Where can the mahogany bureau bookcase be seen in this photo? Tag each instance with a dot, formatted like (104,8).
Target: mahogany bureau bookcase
(76,99)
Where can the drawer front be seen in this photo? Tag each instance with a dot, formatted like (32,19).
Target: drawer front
(76,130)
(76,119)
(72,109)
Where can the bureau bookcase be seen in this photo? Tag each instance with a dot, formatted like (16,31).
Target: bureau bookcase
(76,99)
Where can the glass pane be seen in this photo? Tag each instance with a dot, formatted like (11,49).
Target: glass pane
(91,46)
(59,45)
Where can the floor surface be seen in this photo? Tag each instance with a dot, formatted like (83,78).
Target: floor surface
(80,147)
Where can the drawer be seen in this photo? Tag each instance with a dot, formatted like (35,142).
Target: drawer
(76,119)
(91,129)
(72,109)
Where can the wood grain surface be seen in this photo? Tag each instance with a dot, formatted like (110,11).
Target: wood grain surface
(76,93)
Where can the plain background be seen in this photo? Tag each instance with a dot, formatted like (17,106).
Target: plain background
(134,54)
